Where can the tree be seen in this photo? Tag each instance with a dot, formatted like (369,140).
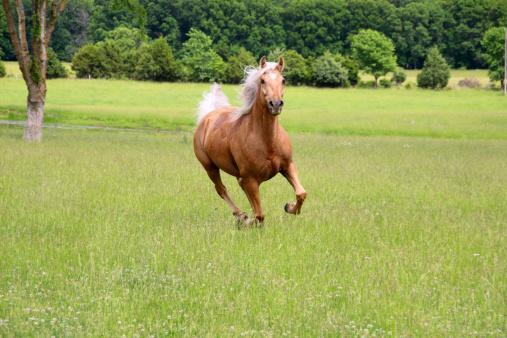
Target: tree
(374,52)
(234,68)
(494,44)
(329,73)
(435,72)
(55,68)
(202,63)
(157,62)
(295,69)
(33,61)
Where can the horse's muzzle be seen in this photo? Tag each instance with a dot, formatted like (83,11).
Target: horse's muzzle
(275,107)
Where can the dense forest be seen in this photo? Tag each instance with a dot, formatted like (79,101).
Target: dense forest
(310,27)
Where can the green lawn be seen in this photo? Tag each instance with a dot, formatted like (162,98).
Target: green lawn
(109,233)
(458,113)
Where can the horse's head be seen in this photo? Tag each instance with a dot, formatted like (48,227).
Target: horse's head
(271,86)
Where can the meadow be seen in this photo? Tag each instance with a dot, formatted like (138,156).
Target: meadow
(122,233)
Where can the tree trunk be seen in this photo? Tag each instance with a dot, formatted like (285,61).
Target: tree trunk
(35,113)
(376,85)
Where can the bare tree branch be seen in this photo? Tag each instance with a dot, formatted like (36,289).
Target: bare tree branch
(57,8)
(18,37)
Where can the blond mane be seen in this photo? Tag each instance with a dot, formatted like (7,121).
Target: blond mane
(250,85)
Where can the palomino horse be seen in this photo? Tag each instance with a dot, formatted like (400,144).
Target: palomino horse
(248,142)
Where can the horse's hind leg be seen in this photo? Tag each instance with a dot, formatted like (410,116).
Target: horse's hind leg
(292,176)
(214,175)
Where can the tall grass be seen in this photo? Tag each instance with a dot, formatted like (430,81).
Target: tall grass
(106,233)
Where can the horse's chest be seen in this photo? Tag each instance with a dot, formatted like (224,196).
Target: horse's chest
(270,168)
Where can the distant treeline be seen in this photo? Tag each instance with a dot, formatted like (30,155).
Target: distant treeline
(310,27)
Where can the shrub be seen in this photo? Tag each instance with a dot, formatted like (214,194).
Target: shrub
(408,85)
(351,66)
(55,69)
(366,84)
(329,73)
(3,72)
(471,82)
(86,62)
(233,72)
(435,72)
(156,62)
(385,83)
(399,77)
(296,70)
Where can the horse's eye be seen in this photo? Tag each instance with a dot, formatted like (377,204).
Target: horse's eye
(262,81)
(283,81)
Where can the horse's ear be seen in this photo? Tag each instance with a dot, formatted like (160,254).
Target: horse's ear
(262,64)
(280,64)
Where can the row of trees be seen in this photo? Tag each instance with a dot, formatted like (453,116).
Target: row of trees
(122,55)
(309,27)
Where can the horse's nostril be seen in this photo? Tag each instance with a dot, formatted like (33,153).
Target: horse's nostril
(281,103)
(271,103)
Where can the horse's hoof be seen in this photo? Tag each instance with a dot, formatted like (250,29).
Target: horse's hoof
(286,208)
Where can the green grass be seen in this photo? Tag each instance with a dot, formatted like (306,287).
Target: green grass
(458,113)
(108,233)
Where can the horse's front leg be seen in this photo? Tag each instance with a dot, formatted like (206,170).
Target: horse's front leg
(291,175)
(251,188)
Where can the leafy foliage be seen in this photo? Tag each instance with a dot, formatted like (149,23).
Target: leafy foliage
(202,62)
(329,73)
(494,44)
(3,71)
(296,70)
(351,66)
(374,52)
(55,69)
(399,77)
(156,62)
(234,68)
(435,73)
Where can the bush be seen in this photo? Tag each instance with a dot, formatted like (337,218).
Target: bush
(470,83)
(351,66)
(86,62)
(103,60)
(55,69)
(296,70)
(399,77)
(3,72)
(233,72)
(409,85)
(329,73)
(435,72)
(156,62)
(366,84)
(385,83)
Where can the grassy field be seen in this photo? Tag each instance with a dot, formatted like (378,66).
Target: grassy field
(122,233)
(458,113)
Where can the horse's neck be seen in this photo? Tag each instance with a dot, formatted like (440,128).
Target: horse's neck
(264,123)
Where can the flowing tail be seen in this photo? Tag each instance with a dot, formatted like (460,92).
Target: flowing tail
(212,100)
